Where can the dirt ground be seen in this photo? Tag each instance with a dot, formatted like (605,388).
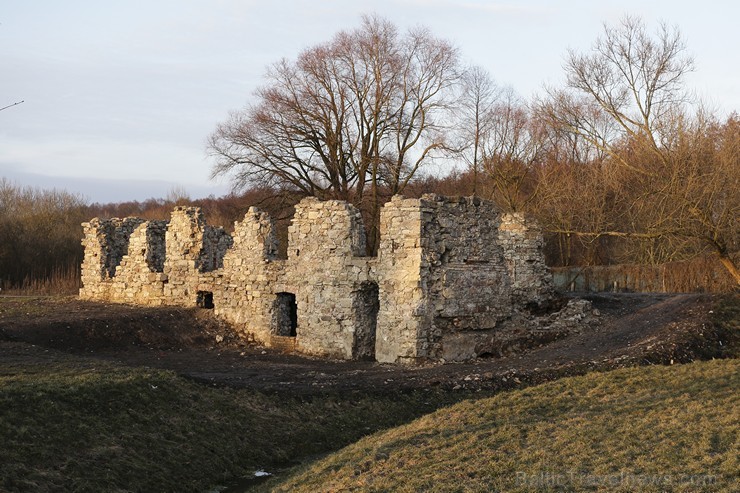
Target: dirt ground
(633,329)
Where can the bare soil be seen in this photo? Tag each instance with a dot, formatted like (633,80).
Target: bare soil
(634,329)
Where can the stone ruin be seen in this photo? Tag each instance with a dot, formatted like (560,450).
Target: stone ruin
(453,279)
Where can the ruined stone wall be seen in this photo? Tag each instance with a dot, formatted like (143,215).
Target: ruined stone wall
(192,249)
(319,294)
(400,335)
(468,284)
(522,243)
(105,243)
(452,271)
(139,277)
(243,290)
(448,275)
(326,276)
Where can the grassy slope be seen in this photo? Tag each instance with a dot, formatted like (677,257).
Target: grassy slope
(85,425)
(726,317)
(615,431)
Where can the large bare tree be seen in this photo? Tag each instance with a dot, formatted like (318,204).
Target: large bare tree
(512,151)
(367,107)
(499,140)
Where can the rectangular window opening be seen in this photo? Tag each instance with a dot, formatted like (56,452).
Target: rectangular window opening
(205,300)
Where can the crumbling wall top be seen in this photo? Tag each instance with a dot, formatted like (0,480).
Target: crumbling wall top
(254,238)
(107,241)
(189,238)
(321,228)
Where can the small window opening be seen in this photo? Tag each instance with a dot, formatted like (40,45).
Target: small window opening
(205,300)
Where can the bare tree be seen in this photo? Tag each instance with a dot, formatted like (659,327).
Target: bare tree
(293,136)
(371,58)
(626,98)
(633,79)
(498,138)
(422,106)
(478,95)
(511,151)
(366,107)
(41,233)
(696,195)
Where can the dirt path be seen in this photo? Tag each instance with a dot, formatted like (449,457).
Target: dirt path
(634,329)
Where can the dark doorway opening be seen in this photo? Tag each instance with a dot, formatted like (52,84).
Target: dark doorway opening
(365,306)
(204,299)
(285,315)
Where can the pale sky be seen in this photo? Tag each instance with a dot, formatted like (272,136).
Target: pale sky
(121,95)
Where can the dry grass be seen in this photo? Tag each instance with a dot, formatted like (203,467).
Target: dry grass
(82,425)
(638,429)
(699,275)
(61,282)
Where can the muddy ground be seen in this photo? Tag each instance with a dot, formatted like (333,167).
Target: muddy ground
(632,329)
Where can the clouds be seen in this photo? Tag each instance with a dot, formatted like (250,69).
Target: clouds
(107,169)
(104,157)
(117,189)
(484,6)
(133,88)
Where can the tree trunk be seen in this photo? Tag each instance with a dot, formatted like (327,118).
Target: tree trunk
(731,267)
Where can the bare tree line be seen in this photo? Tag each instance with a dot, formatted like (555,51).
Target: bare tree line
(618,164)
(39,234)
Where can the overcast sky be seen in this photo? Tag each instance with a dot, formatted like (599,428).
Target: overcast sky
(120,95)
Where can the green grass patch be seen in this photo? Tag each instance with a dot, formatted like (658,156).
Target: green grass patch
(638,429)
(85,425)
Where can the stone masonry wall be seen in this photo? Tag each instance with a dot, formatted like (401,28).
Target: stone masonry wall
(468,284)
(192,248)
(522,243)
(243,287)
(401,319)
(105,243)
(326,275)
(448,276)
(139,277)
